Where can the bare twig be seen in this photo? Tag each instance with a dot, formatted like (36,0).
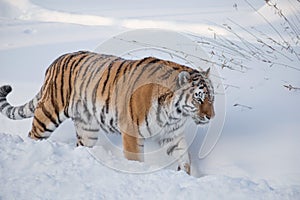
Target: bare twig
(290,87)
(267,21)
(222,65)
(243,106)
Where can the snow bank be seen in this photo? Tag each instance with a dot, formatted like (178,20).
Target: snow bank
(25,10)
(50,170)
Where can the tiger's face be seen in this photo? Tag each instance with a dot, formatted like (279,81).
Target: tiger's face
(198,100)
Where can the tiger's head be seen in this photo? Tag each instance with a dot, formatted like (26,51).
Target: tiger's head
(195,96)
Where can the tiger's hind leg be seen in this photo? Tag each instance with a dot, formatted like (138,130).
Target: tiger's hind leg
(45,120)
(86,134)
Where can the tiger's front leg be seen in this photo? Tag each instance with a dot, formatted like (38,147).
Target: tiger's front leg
(133,147)
(177,148)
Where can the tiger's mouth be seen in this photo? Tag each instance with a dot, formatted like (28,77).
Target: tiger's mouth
(201,120)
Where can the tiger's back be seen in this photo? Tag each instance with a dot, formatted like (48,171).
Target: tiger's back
(137,98)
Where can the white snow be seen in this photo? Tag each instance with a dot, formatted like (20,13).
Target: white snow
(257,156)
(50,170)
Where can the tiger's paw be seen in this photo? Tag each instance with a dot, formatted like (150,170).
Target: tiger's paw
(185,167)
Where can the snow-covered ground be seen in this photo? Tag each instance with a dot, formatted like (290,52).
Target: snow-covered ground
(257,156)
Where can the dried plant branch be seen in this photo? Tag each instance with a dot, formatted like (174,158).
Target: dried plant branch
(221,65)
(243,106)
(290,87)
(282,15)
(267,49)
(267,21)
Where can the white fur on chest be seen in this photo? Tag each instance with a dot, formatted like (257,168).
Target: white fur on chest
(163,126)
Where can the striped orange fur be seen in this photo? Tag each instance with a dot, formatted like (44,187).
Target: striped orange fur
(146,98)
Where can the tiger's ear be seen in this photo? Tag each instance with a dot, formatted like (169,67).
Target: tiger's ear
(207,72)
(183,78)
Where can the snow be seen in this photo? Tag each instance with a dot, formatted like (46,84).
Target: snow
(257,156)
(49,170)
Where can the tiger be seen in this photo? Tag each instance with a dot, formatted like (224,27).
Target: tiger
(148,98)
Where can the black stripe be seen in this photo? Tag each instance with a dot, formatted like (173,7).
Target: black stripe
(66,112)
(86,111)
(42,125)
(116,86)
(172,148)
(48,115)
(55,106)
(31,106)
(82,67)
(147,125)
(95,90)
(93,63)
(62,81)
(138,127)
(75,75)
(107,101)
(80,143)
(111,122)
(158,113)
(167,74)
(130,109)
(12,113)
(127,68)
(4,105)
(102,127)
(120,67)
(108,75)
(163,97)
(39,136)
(93,72)
(165,140)
(66,62)
(73,65)
(152,62)
(124,72)
(158,67)
(2,99)
(78,136)
(49,72)
(8,111)
(92,138)
(21,111)
(58,68)
(137,64)
(90,129)
(108,98)
(175,68)
(180,97)
(102,116)
(176,128)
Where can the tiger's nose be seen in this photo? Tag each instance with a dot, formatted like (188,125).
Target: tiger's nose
(210,114)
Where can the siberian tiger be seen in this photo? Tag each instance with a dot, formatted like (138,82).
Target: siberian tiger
(138,99)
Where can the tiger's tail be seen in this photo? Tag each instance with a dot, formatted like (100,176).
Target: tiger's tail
(16,112)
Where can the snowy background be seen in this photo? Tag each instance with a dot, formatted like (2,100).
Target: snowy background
(257,156)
